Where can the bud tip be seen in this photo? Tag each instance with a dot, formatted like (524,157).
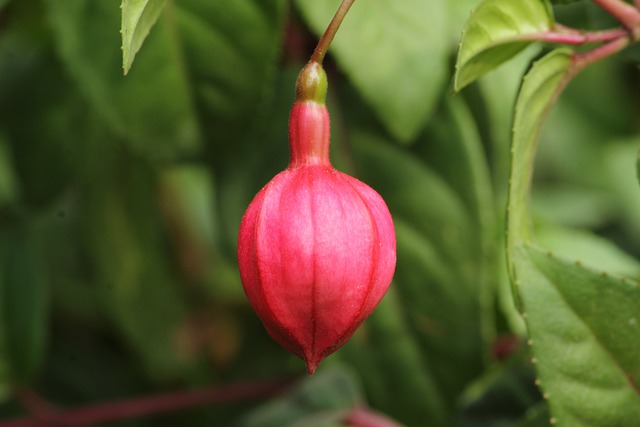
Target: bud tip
(312,83)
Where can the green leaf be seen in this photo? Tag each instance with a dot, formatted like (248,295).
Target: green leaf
(121,225)
(619,158)
(537,416)
(582,323)
(638,167)
(138,16)
(197,77)
(502,396)
(152,108)
(187,196)
(24,305)
(592,250)
(541,87)
(395,59)
(585,336)
(459,12)
(35,90)
(499,91)
(8,183)
(323,398)
(496,31)
(385,345)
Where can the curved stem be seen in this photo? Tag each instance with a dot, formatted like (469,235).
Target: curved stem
(50,416)
(587,58)
(323,45)
(576,37)
(628,15)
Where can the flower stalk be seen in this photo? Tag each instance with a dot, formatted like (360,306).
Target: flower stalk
(626,14)
(324,43)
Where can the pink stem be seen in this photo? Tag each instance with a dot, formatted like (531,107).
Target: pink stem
(587,58)
(132,408)
(629,16)
(330,32)
(575,37)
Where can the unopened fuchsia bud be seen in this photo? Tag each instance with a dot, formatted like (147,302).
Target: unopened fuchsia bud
(316,248)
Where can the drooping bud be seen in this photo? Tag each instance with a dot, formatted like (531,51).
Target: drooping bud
(316,247)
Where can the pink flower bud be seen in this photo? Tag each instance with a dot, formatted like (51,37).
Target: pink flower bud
(316,247)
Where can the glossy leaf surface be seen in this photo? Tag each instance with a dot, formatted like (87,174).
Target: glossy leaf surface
(138,17)
(496,31)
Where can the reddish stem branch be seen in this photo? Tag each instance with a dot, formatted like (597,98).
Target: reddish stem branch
(151,405)
(629,16)
(576,37)
(585,59)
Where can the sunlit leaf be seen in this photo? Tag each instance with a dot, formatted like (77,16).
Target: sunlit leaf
(459,12)
(496,31)
(401,72)
(138,17)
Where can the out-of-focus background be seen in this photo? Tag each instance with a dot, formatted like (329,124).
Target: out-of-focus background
(120,200)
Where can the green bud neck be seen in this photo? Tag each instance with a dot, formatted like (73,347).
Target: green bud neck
(312,84)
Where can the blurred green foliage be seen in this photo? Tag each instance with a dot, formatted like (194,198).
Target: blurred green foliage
(120,200)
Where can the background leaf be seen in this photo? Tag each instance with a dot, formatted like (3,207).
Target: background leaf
(441,219)
(189,56)
(592,250)
(402,77)
(159,123)
(503,396)
(8,184)
(140,297)
(496,31)
(321,400)
(122,197)
(138,17)
(24,304)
